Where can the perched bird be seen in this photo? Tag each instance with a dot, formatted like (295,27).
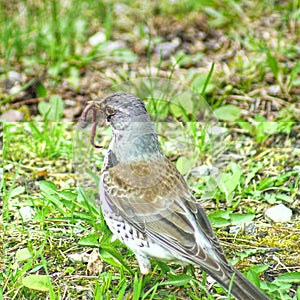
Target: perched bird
(147,204)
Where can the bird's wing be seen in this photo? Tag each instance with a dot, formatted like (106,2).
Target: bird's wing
(153,197)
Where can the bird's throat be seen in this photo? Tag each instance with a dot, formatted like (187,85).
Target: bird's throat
(138,142)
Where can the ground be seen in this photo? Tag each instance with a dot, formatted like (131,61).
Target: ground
(238,61)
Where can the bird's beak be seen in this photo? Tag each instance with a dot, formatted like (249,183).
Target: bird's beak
(96,104)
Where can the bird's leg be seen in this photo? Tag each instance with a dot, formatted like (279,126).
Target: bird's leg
(144,264)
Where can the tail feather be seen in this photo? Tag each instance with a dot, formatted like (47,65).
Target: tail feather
(241,287)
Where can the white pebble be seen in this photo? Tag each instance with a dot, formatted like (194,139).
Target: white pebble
(27,213)
(279,213)
(14,77)
(97,38)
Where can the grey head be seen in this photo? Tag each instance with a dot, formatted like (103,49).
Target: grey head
(134,134)
(121,109)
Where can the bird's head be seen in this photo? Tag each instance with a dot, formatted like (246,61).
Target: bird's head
(121,110)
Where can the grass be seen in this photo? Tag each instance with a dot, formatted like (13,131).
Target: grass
(241,57)
(66,221)
(57,40)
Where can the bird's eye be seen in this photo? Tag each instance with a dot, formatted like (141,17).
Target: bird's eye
(109,111)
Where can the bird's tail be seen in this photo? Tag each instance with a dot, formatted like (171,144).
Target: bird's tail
(241,287)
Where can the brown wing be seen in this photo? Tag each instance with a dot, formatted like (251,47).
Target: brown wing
(154,198)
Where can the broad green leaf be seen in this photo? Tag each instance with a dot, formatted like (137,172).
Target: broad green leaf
(113,257)
(57,108)
(246,125)
(200,84)
(220,218)
(241,218)
(229,182)
(235,168)
(37,282)
(227,112)
(284,197)
(244,254)
(220,214)
(53,110)
(182,105)
(17,191)
(23,254)
(253,277)
(44,108)
(259,119)
(177,110)
(40,90)
(184,165)
(48,187)
(92,240)
(186,102)
(67,195)
(260,268)
(289,277)
(219,222)
(270,198)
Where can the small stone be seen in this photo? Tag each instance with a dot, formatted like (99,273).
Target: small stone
(216,130)
(120,9)
(166,49)
(274,90)
(114,45)
(279,213)
(13,77)
(248,228)
(97,38)
(266,35)
(78,257)
(69,102)
(15,89)
(204,170)
(27,213)
(12,115)
(235,229)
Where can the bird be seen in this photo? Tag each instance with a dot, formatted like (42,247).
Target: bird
(148,205)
